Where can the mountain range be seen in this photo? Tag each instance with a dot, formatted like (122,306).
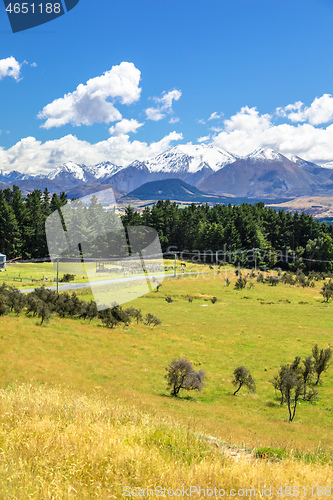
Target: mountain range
(264,173)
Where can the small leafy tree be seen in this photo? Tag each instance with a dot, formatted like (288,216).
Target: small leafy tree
(43,311)
(307,372)
(322,360)
(303,370)
(181,375)
(278,381)
(242,376)
(292,388)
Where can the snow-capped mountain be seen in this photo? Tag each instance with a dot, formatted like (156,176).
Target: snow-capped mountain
(10,176)
(264,154)
(102,170)
(69,171)
(190,163)
(190,158)
(264,172)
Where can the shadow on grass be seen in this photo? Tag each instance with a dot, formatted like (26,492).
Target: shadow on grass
(177,398)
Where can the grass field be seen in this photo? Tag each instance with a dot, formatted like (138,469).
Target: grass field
(261,328)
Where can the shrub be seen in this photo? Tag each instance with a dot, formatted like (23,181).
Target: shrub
(88,310)
(134,313)
(67,278)
(272,280)
(240,283)
(3,306)
(111,317)
(327,290)
(181,375)
(150,319)
(260,278)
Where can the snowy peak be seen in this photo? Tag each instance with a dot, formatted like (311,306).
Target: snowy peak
(10,175)
(102,170)
(264,154)
(74,171)
(190,158)
(140,165)
(328,165)
(69,169)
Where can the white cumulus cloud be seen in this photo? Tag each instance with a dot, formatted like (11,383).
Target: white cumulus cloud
(94,102)
(320,111)
(10,67)
(34,157)
(164,105)
(125,127)
(248,130)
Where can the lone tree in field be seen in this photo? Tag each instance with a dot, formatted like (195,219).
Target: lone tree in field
(322,360)
(292,388)
(181,375)
(303,371)
(242,376)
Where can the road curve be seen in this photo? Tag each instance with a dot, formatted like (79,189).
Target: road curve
(76,286)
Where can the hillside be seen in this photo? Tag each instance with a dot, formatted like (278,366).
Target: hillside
(320,207)
(89,447)
(83,407)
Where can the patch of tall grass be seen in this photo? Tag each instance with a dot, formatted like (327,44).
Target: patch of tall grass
(55,444)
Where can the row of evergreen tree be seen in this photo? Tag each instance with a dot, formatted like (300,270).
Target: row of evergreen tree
(195,228)
(22,221)
(231,228)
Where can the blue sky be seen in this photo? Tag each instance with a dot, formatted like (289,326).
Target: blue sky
(239,74)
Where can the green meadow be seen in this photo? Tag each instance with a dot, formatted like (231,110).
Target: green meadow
(261,327)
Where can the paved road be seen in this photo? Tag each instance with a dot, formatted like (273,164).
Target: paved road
(76,286)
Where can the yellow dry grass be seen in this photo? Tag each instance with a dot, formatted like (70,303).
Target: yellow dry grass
(56,444)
